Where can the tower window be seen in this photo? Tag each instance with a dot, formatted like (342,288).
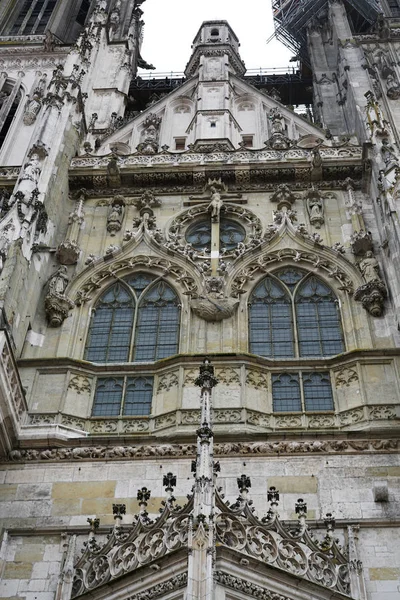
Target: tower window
(247,141)
(10,96)
(180,143)
(136,319)
(294,314)
(33,17)
(83,11)
(214,32)
(213,124)
(127,396)
(302,392)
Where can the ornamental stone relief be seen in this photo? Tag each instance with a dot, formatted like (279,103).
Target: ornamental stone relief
(228,376)
(345,377)
(167,381)
(80,384)
(256,379)
(82,453)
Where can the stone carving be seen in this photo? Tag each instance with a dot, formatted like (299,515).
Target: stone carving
(135,426)
(74,422)
(190,376)
(215,205)
(284,196)
(68,253)
(257,379)
(382,412)
(373,293)
(262,264)
(34,104)
(213,305)
(247,588)
(258,419)
(288,421)
(227,416)
(315,207)
(104,426)
(147,202)
(361,242)
(272,448)
(167,381)
(278,139)
(345,377)
(57,304)
(6,237)
(151,131)
(80,384)
(389,155)
(321,421)
(351,416)
(115,215)
(228,376)
(190,417)
(163,421)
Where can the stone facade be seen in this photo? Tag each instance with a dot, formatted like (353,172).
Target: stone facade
(213,200)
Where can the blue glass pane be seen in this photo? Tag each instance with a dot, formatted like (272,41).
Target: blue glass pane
(108,397)
(157,329)
(139,281)
(138,396)
(317,391)
(290,276)
(110,330)
(286,392)
(230,234)
(318,320)
(271,321)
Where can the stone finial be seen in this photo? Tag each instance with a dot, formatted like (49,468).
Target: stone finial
(244,483)
(206,379)
(169,482)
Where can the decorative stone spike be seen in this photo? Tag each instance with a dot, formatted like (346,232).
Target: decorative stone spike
(169,482)
(244,483)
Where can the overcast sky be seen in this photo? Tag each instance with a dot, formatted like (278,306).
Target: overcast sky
(171,26)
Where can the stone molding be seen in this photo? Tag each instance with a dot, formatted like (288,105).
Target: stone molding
(222,449)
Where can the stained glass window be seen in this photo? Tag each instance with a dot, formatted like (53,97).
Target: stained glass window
(136,319)
(302,392)
(294,314)
(117,396)
(231,234)
(33,17)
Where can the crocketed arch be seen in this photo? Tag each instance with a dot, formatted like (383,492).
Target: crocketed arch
(293,313)
(135,319)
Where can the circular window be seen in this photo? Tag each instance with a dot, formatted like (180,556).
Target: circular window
(230,235)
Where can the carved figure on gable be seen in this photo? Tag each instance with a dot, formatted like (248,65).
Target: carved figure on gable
(278,139)
(284,196)
(215,204)
(277,121)
(57,304)
(150,135)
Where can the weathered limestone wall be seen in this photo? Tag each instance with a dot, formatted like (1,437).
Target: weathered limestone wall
(41,501)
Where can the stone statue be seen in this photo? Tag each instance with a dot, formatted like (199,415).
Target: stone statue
(115,216)
(388,154)
(215,205)
(369,267)
(32,169)
(32,110)
(58,281)
(3,97)
(49,42)
(315,208)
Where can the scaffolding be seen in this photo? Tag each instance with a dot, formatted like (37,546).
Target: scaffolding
(291,18)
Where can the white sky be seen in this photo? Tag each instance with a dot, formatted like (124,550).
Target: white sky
(171,25)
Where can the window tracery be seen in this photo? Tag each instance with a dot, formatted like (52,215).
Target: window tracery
(136,319)
(10,98)
(292,313)
(33,17)
(231,234)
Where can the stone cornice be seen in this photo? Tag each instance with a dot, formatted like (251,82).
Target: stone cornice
(377,355)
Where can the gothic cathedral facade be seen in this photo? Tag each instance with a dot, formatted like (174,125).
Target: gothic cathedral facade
(200,309)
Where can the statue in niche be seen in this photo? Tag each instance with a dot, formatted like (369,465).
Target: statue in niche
(3,98)
(215,205)
(388,154)
(278,139)
(32,110)
(115,215)
(58,281)
(369,267)
(278,122)
(315,208)
(150,135)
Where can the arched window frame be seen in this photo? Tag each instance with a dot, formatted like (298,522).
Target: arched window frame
(137,300)
(294,317)
(16,98)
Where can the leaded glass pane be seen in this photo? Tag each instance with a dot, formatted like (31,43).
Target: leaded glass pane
(271,321)
(317,391)
(231,234)
(138,396)
(318,320)
(139,281)
(111,327)
(286,392)
(108,397)
(157,329)
(290,277)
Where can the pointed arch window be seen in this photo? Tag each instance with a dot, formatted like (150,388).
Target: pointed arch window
(10,98)
(33,17)
(136,319)
(292,313)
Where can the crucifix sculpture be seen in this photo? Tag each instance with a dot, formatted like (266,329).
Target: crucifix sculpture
(215,194)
